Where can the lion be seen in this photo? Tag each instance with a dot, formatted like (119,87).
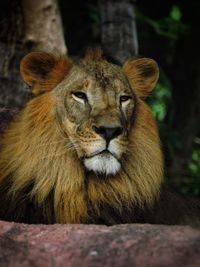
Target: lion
(86,148)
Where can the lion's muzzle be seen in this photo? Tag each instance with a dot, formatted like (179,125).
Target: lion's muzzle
(103,163)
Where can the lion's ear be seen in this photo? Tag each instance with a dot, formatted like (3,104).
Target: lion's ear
(43,71)
(143,74)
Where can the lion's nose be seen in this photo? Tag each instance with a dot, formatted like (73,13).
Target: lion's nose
(108,133)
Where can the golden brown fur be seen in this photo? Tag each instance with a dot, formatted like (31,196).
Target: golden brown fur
(42,155)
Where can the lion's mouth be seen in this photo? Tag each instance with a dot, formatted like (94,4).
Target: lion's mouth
(104,153)
(104,162)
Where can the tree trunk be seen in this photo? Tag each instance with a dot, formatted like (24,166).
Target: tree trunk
(27,25)
(118,30)
(43,27)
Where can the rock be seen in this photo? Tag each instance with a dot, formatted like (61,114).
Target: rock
(6,116)
(96,246)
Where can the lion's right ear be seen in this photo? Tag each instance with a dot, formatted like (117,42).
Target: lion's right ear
(43,71)
(143,74)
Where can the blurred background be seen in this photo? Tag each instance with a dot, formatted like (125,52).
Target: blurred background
(167,31)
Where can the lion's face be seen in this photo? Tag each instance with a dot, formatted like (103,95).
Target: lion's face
(95,103)
(97,110)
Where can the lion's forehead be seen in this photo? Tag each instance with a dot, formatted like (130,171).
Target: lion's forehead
(104,76)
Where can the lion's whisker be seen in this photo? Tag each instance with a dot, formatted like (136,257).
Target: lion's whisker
(58,154)
(50,143)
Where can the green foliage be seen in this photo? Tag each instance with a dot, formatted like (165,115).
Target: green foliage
(160,98)
(168,31)
(191,184)
(175,13)
(170,27)
(159,101)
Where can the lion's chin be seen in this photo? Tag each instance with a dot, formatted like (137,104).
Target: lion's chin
(105,164)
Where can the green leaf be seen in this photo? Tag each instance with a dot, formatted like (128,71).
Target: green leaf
(193,168)
(176,13)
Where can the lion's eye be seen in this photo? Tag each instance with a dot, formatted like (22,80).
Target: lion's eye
(80,97)
(124,98)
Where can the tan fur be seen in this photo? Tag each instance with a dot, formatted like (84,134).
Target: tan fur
(40,147)
(135,72)
(54,68)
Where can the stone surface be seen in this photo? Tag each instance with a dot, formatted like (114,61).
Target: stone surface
(6,116)
(95,246)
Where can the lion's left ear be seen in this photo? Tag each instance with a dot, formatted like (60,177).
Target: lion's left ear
(143,74)
(43,71)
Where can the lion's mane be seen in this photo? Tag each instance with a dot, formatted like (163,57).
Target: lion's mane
(39,176)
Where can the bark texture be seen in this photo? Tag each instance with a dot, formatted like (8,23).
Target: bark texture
(26,25)
(43,26)
(6,116)
(118,29)
(12,91)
